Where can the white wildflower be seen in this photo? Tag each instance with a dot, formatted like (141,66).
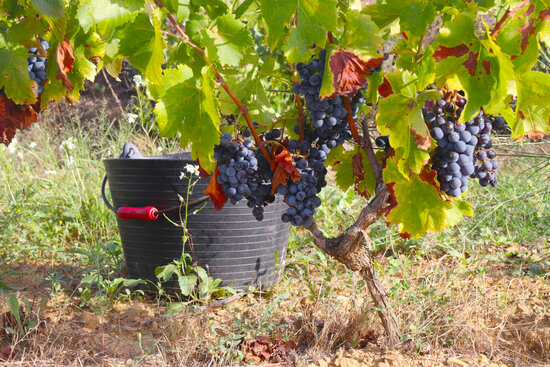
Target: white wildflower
(70,161)
(32,145)
(49,172)
(132,117)
(160,149)
(12,148)
(137,80)
(194,170)
(67,144)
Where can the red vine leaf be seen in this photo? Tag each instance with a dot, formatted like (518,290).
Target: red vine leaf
(65,62)
(443,52)
(429,176)
(13,117)
(215,191)
(283,169)
(349,71)
(385,88)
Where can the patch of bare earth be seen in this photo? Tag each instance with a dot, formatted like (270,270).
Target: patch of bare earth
(454,316)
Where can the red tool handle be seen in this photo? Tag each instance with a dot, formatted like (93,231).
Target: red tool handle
(145,213)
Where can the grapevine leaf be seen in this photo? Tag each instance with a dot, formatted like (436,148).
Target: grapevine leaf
(400,117)
(107,13)
(315,18)
(142,43)
(277,21)
(178,7)
(214,8)
(476,66)
(423,68)
(533,109)
(416,217)
(346,73)
(353,169)
(355,57)
(518,37)
(50,8)
(248,87)
(215,191)
(385,13)
(385,89)
(375,80)
(361,36)
(189,105)
(416,16)
(230,39)
(13,117)
(14,75)
(283,169)
(65,60)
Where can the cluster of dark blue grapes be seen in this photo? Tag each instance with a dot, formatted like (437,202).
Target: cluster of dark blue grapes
(238,166)
(458,145)
(37,65)
(301,196)
(329,126)
(484,160)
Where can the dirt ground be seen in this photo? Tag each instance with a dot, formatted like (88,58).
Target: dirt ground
(492,320)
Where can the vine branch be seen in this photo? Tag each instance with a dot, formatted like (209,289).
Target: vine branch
(500,24)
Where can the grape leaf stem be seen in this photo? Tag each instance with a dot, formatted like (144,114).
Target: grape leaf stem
(219,78)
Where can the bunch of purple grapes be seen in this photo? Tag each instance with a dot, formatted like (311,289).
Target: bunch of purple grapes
(37,65)
(301,196)
(485,163)
(238,167)
(459,154)
(329,126)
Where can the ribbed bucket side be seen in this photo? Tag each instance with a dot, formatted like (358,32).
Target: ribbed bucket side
(231,244)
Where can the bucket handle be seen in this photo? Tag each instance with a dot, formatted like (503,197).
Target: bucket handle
(146,212)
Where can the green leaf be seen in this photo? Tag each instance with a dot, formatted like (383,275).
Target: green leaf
(187,284)
(189,105)
(400,117)
(214,8)
(13,304)
(518,36)
(50,8)
(476,66)
(107,13)
(420,208)
(178,7)
(230,38)
(315,18)
(416,16)
(362,177)
(14,75)
(277,22)
(385,13)
(164,273)
(533,107)
(142,43)
(361,36)
(424,68)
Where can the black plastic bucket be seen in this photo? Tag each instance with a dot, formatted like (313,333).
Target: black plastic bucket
(231,244)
